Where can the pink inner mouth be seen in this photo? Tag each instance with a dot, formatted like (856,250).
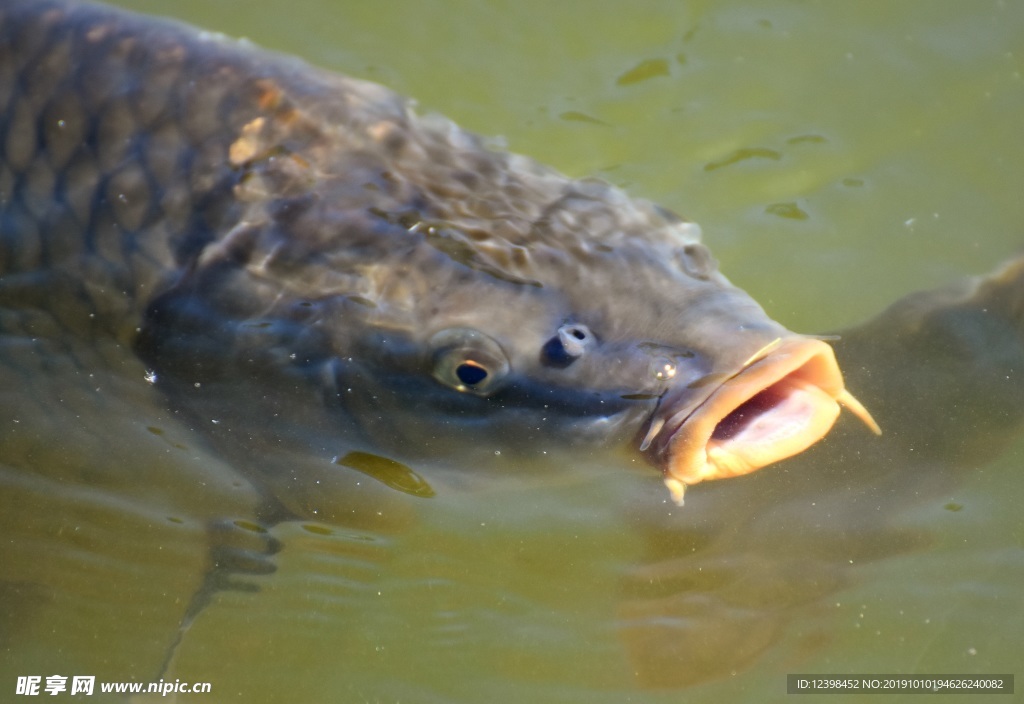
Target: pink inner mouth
(781,401)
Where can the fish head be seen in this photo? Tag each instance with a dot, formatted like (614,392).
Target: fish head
(596,321)
(452,300)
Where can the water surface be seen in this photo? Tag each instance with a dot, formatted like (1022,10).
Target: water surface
(837,155)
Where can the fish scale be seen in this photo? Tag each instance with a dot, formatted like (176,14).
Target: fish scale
(240,218)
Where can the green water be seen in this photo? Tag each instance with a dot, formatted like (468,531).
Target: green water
(837,155)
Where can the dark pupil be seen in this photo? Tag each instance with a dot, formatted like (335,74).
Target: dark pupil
(470,373)
(578,334)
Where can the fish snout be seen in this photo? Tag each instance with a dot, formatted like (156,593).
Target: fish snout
(778,403)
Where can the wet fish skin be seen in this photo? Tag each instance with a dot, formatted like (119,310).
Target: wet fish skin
(245,221)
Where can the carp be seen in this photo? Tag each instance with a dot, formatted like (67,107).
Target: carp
(200,240)
(238,217)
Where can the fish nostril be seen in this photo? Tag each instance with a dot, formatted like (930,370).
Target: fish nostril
(568,345)
(575,338)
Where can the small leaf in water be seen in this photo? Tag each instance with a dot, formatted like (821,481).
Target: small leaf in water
(807,139)
(250,526)
(790,211)
(387,471)
(647,69)
(576,116)
(952,506)
(744,154)
(316,530)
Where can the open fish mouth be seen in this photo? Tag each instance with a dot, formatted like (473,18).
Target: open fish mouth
(781,401)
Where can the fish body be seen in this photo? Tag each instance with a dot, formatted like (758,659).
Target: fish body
(201,240)
(243,220)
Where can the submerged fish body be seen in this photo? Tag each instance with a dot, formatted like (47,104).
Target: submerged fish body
(228,279)
(245,221)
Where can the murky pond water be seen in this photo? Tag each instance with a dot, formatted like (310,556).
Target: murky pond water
(837,155)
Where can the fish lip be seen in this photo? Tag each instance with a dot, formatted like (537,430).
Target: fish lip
(792,395)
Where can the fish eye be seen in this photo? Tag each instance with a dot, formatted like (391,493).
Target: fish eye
(468,360)
(568,345)
(471,373)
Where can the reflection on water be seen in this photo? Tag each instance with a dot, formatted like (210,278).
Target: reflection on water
(902,554)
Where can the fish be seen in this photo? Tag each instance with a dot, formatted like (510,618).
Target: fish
(144,310)
(241,219)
